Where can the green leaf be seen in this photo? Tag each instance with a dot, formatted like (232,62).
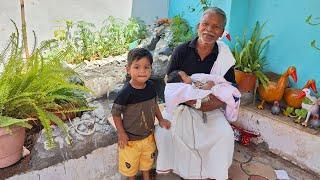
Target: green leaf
(8,121)
(306,100)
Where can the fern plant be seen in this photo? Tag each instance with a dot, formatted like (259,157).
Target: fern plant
(249,53)
(36,87)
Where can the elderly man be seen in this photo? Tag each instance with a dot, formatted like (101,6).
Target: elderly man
(194,149)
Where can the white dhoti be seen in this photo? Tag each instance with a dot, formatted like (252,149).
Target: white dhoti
(193,149)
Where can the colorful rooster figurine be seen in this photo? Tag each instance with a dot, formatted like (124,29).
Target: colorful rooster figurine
(291,96)
(274,90)
(309,103)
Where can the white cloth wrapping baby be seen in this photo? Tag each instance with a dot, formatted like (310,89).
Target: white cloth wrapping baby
(177,93)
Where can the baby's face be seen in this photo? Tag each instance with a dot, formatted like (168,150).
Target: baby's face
(185,78)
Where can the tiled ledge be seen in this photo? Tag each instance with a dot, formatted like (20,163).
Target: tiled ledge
(291,141)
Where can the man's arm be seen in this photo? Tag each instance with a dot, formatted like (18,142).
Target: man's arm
(213,104)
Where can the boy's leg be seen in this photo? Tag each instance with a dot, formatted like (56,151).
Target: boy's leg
(132,178)
(146,175)
(129,159)
(147,156)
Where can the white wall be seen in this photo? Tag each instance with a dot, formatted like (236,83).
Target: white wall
(41,15)
(148,10)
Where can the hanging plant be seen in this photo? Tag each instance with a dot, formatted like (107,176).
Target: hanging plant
(313,21)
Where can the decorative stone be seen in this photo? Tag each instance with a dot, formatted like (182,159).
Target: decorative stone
(99,112)
(102,75)
(86,116)
(113,94)
(159,66)
(82,128)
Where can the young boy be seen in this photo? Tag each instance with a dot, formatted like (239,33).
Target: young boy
(134,111)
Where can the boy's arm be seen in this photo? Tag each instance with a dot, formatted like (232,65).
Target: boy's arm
(122,135)
(162,122)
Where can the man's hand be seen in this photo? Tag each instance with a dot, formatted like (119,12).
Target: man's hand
(122,139)
(213,104)
(164,123)
(191,102)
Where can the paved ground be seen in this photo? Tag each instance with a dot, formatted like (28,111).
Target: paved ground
(256,163)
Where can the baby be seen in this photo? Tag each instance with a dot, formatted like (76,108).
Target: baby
(210,83)
(178,76)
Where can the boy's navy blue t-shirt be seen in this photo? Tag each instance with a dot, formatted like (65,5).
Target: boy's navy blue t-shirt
(130,95)
(137,108)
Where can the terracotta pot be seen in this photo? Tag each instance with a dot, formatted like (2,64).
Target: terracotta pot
(11,145)
(245,81)
(66,116)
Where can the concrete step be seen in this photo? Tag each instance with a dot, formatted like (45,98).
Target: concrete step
(291,141)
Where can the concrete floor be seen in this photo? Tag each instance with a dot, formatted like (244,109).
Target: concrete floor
(255,162)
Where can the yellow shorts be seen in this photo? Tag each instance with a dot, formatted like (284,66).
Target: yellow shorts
(137,155)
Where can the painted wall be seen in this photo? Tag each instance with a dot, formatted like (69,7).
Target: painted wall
(285,20)
(291,42)
(183,8)
(149,10)
(42,15)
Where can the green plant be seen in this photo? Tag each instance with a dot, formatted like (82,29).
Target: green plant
(36,87)
(249,53)
(181,31)
(116,35)
(85,42)
(204,5)
(314,22)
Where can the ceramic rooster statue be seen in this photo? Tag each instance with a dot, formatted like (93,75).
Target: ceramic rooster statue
(309,103)
(274,90)
(291,96)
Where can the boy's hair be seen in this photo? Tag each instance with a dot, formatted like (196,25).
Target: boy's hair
(137,54)
(174,77)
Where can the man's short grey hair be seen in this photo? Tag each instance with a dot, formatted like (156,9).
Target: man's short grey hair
(216,10)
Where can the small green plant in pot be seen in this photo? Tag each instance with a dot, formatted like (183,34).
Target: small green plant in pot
(250,60)
(35,87)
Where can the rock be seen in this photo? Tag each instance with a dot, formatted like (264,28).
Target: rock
(159,30)
(59,141)
(76,80)
(82,128)
(102,75)
(99,112)
(86,116)
(159,66)
(41,158)
(167,51)
(113,94)
(150,42)
(76,119)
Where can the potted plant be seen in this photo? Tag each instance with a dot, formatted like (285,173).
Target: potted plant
(12,135)
(250,60)
(35,87)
